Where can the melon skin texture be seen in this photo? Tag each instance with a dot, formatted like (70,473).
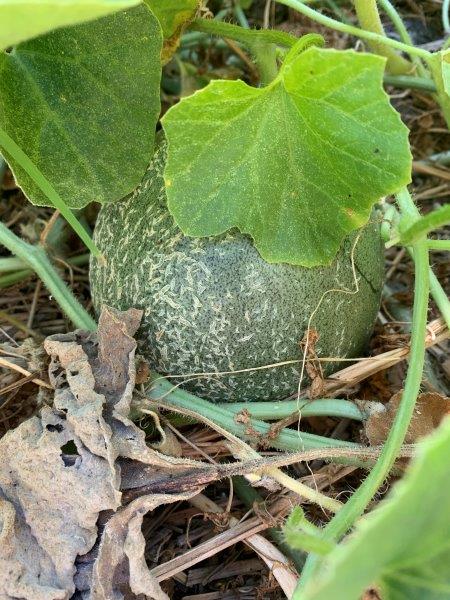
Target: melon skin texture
(213,304)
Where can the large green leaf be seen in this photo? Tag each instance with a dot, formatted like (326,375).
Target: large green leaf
(83,102)
(297,164)
(21,20)
(173,16)
(404,545)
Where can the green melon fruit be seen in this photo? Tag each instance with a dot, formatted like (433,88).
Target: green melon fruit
(213,304)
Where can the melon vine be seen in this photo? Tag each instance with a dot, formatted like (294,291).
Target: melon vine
(254,218)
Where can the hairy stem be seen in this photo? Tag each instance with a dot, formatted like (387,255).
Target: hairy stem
(240,16)
(396,19)
(169,395)
(410,81)
(46,187)
(369,19)
(410,215)
(433,220)
(246,36)
(439,245)
(36,258)
(358,502)
(434,63)
(350,30)
(305,491)
(272,411)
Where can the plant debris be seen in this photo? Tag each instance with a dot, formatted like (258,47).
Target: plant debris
(429,411)
(60,471)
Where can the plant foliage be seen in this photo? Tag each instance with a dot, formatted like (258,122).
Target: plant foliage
(83,105)
(403,546)
(297,164)
(21,20)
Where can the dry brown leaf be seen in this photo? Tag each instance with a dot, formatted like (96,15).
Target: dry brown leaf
(98,395)
(429,411)
(49,510)
(59,472)
(121,563)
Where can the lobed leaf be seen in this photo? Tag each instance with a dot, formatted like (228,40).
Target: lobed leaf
(297,165)
(403,545)
(21,20)
(82,102)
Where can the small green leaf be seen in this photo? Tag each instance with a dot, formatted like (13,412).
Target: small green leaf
(173,16)
(300,534)
(82,102)
(21,20)
(404,544)
(297,165)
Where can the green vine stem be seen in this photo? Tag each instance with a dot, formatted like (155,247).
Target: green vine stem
(20,273)
(391,220)
(36,258)
(240,15)
(410,215)
(46,187)
(266,59)
(445,16)
(272,411)
(442,245)
(410,81)
(420,228)
(396,19)
(11,263)
(246,36)
(14,277)
(351,30)
(369,19)
(358,502)
(435,65)
(163,390)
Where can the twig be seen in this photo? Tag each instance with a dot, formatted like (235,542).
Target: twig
(436,332)
(207,473)
(421,167)
(14,367)
(272,470)
(274,559)
(209,548)
(14,385)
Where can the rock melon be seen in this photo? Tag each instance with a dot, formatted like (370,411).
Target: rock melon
(213,304)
